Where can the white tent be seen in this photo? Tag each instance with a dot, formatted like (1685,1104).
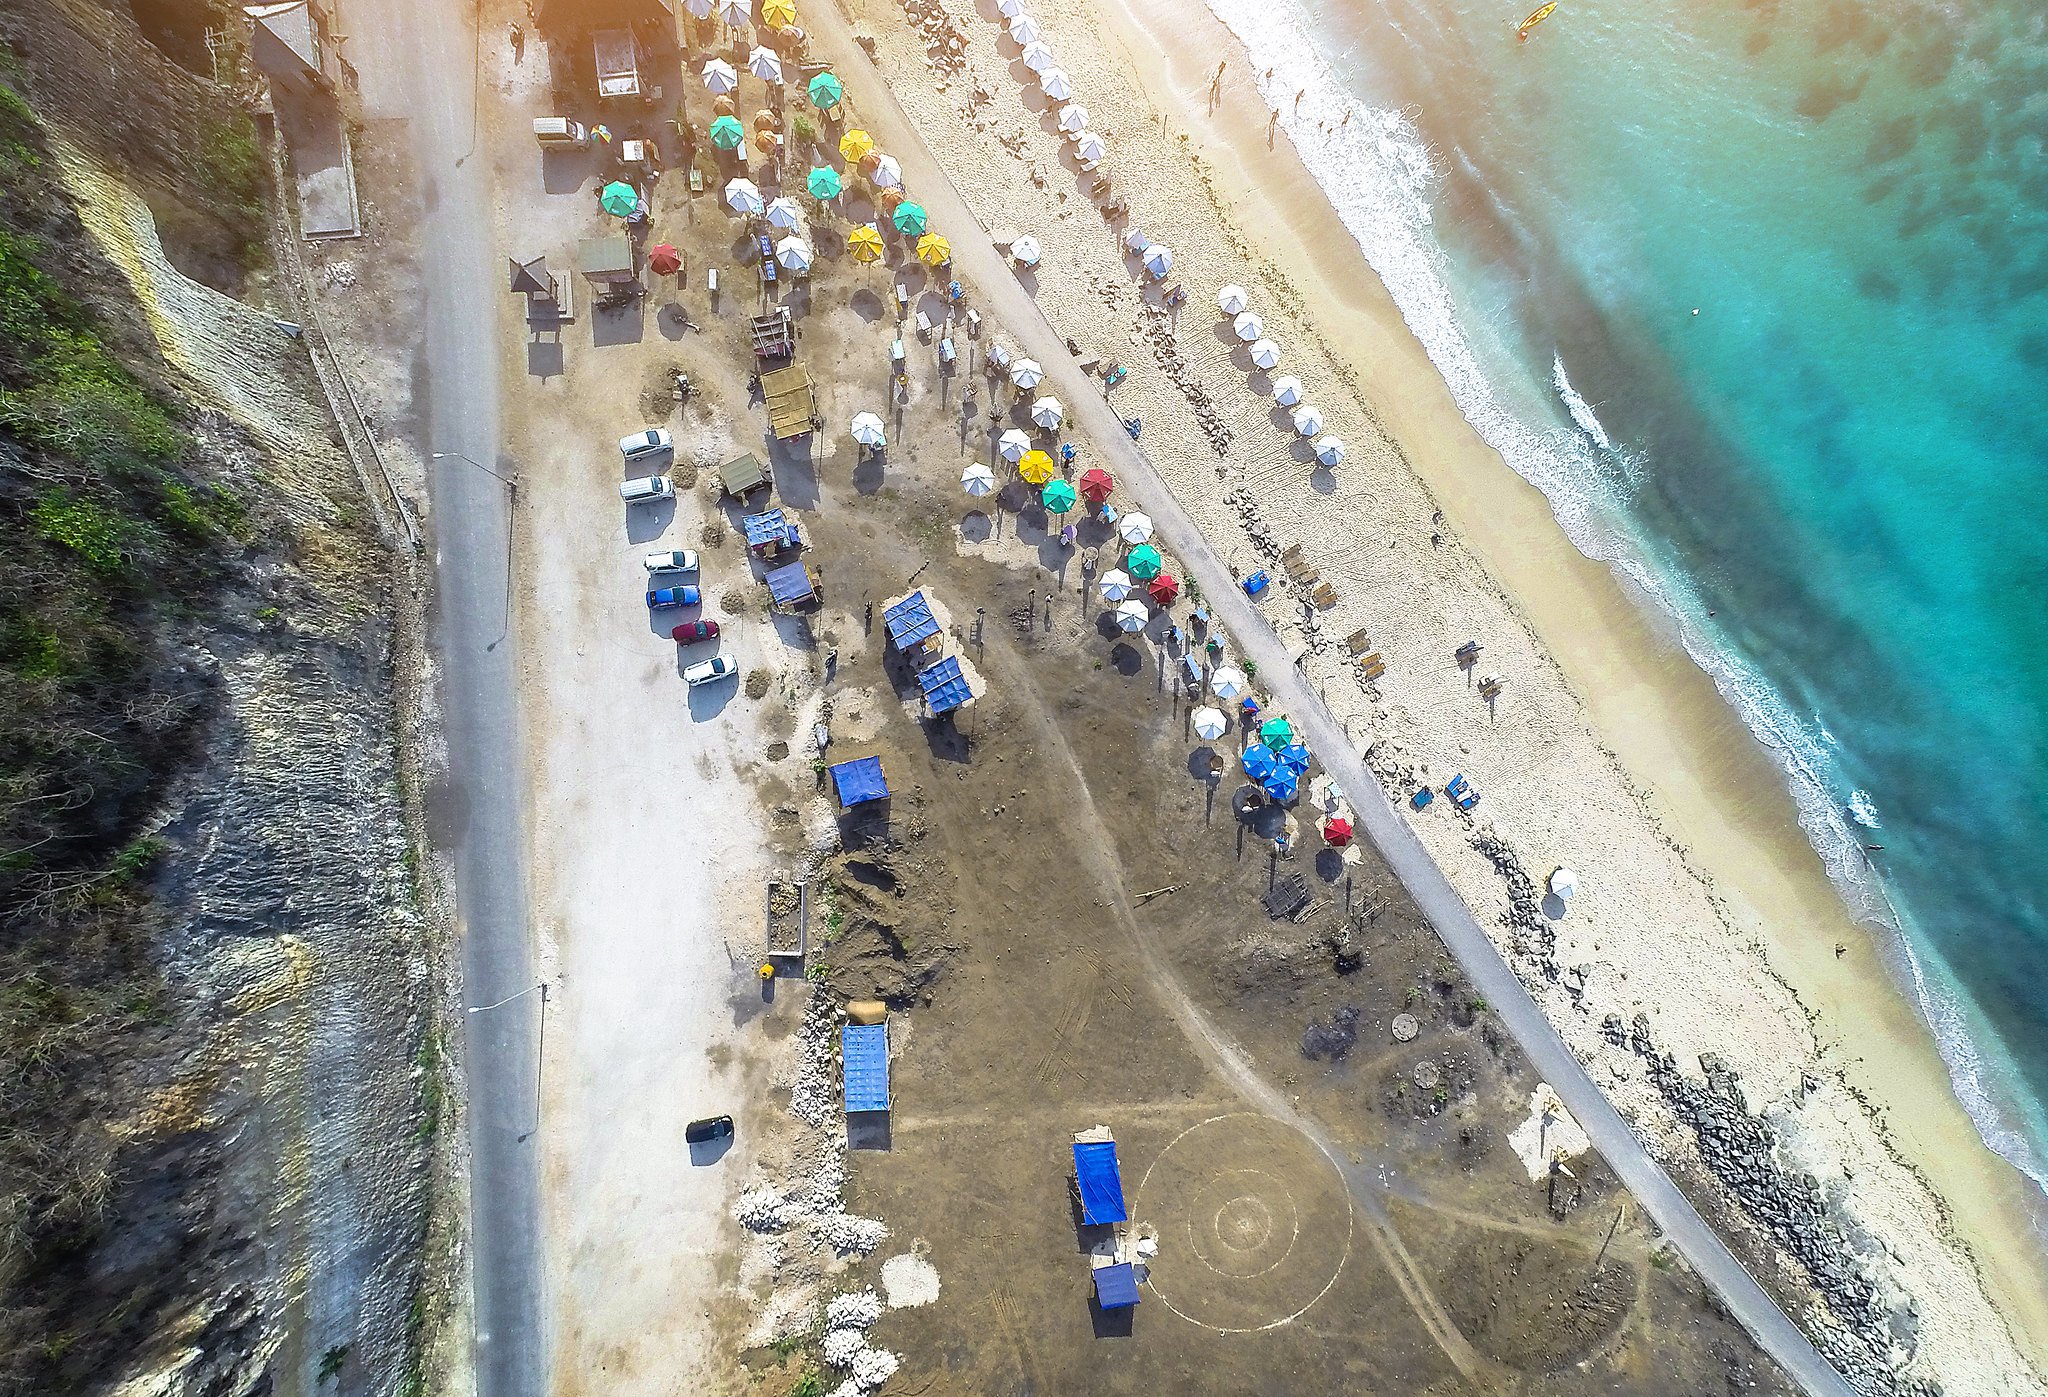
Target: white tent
(1158,259)
(794,253)
(735,12)
(888,174)
(1210,723)
(784,213)
(1089,149)
(720,76)
(1023,28)
(1048,413)
(742,197)
(1287,390)
(1227,683)
(978,480)
(765,64)
(1073,119)
(1330,450)
(1233,300)
(1026,374)
(1308,419)
(1134,528)
(1026,250)
(1055,83)
(1012,445)
(1248,326)
(1132,615)
(1266,354)
(1114,585)
(1037,57)
(868,430)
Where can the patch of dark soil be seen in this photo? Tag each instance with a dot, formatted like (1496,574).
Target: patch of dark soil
(890,932)
(1532,1306)
(1332,1041)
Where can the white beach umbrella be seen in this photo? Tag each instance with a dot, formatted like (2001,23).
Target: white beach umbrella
(1009,9)
(1266,354)
(1089,150)
(1048,413)
(1023,28)
(1210,723)
(784,213)
(1132,615)
(1115,584)
(978,480)
(1287,390)
(1564,884)
(720,76)
(1248,326)
(1308,419)
(1227,683)
(1037,57)
(888,174)
(1134,528)
(765,63)
(794,253)
(735,12)
(699,9)
(1012,445)
(1233,300)
(1026,250)
(1330,451)
(1158,259)
(1136,240)
(1073,119)
(1055,83)
(742,197)
(1026,374)
(868,430)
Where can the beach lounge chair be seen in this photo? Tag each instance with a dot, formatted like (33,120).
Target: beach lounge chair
(924,326)
(1358,642)
(1461,793)
(696,180)
(1372,666)
(1323,596)
(1421,799)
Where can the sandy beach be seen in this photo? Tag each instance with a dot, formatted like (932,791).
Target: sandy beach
(1706,912)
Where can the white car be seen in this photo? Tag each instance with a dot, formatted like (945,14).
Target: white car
(712,670)
(673,560)
(655,441)
(647,487)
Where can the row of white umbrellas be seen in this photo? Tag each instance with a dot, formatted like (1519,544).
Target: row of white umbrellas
(733,12)
(721,77)
(1235,302)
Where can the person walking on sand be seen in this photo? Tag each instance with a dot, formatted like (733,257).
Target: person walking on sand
(1298,96)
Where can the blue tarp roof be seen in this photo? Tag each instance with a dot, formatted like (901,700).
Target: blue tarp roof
(910,621)
(1102,1188)
(859,780)
(945,687)
(864,1050)
(769,526)
(1116,1287)
(789,583)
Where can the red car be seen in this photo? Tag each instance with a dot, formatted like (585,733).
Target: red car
(690,632)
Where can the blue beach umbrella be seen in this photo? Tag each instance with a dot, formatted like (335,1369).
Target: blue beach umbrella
(1294,758)
(1281,785)
(1259,763)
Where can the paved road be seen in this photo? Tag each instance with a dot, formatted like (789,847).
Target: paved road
(977,262)
(416,59)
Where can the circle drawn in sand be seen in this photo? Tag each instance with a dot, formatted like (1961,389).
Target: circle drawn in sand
(1254,1223)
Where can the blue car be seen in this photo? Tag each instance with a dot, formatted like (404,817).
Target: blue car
(658,597)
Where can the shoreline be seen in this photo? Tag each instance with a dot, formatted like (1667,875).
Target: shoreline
(1705,773)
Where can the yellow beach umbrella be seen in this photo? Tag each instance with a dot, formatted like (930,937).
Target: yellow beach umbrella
(865,243)
(777,14)
(855,145)
(1036,467)
(934,250)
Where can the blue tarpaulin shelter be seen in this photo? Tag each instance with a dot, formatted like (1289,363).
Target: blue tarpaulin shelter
(945,687)
(859,780)
(769,529)
(1259,761)
(864,1053)
(1116,1287)
(1102,1188)
(911,622)
(790,584)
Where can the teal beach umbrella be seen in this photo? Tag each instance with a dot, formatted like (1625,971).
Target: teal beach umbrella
(727,133)
(910,219)
(824,182)
(620,200)
(1144,562)
(1058,496)
(826,91)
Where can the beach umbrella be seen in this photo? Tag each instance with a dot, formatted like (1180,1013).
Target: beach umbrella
(1248,326)
(664,260)
(1037,467)
(865,243)
(1089,149)
(1048,413)
(1096,484)
(1026,374)
(1329,451)
(933,250)
(1055,83)
(826,91)
(1026,251)
(910,219)
(1210,723)
(767,142)
(765,120)
(1144,562)
(778,14)
(1163,589)
(855,145)
(1276,733)
(734,12)
(1023,28)
(1233,300)
(1259,763)
(531,277)
(1012,445)
(1037,57)
(1337,832)
(1009,8)
(727,133)
(794,253)
(886,174)
(722,106)
(1266,354)
(742,196)
(620,200)
(720,76)
(890,200)
(1294,757)
(1308,419)
(1132,615)
(1282,786)
(824,182)
(1158,259)
(868,430)
(1073,119)
(1134,527)
(978,480)
(765,63)
(1287,390)
(1137,241)
(1227,683)
(1564,884)
(1114,585)
(1058,497)
(784,213)
(699,9)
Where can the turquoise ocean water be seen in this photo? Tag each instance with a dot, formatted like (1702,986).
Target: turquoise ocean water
(1835,475)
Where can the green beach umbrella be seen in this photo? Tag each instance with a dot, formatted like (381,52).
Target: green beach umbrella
(727,133)
(1276,733)
(1058,496)
(910,219)
(1144,562)
(826,91)
(824,182)
(620,200)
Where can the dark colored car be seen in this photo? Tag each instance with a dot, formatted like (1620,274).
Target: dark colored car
(658,597)
(690,632)
(711,1128)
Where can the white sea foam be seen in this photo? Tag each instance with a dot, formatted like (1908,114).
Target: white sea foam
(1581,410)
(1863,810)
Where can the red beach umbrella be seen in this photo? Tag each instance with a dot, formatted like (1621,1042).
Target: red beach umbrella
(663,260)
(1163,589)
(1337,833)
(1096,483)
